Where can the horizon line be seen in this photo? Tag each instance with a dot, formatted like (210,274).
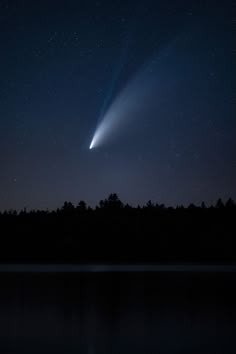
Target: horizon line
(117,268)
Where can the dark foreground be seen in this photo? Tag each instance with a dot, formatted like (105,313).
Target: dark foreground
(121,312)
(119,234)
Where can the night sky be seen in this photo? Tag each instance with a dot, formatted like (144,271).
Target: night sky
(156,77)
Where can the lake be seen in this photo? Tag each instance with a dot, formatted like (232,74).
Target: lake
(118,311)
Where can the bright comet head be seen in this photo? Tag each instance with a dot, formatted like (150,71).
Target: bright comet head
(92,142)
(102,130)
(95,139)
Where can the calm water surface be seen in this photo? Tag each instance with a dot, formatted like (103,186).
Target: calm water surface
(118,312)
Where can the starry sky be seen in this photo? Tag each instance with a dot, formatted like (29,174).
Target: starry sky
(159,74)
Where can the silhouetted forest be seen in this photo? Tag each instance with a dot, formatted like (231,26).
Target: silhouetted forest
(115,232)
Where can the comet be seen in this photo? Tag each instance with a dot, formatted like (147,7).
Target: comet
(125,107)
(131,105)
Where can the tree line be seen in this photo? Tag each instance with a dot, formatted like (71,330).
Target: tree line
(117,232)
(113,203)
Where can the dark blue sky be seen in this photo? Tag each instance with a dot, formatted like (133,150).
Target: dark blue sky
(163,69)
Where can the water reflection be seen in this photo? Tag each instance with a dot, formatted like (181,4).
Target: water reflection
(118,313)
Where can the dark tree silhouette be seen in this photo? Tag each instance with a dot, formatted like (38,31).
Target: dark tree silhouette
(117,232)
(219,204)
(111,203)
(150,205)
(192,206)
(82,206)
(68,208)
(230,203)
